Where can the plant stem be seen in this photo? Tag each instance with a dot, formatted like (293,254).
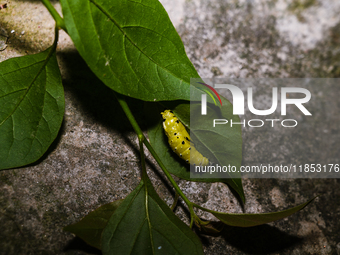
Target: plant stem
(160,163)
(58,19)
(142,139)
(142,156)
(129,115)
(56,38)
(174,184)
(175,202)
(202,208)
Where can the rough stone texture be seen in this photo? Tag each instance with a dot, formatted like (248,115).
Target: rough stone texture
(95,158)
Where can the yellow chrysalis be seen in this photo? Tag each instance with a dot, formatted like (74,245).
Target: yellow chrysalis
(179,140)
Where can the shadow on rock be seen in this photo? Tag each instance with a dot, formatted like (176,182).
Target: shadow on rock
(77,244)
(262,239)
(92,97)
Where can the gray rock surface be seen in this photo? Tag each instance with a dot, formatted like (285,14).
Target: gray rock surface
(95,157)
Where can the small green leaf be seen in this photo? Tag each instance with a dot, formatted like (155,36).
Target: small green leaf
(230,140)
(250,220)
(90,228)
(132,47)
(144,224)
(31,107)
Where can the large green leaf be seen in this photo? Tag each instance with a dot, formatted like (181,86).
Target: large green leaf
(90,228)
(144,224)
(132,47)
(31,107)
(230,141)
(250,220)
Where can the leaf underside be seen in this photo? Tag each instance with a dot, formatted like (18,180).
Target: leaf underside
(250,220)
(90,228)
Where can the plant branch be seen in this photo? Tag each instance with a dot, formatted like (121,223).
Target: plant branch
(175,201)
(129,115)
(58,19)
(56,38)
(142,156)
(142,139)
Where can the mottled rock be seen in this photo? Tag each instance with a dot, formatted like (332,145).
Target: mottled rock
(95,157)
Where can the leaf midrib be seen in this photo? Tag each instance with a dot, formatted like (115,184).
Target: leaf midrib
(148,216)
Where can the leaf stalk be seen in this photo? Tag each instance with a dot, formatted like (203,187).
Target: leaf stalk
(60,24)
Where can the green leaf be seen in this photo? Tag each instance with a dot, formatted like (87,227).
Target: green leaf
(31,107)
(90,228)
(132,47)
(144,224)
(250,220)
(230,141)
